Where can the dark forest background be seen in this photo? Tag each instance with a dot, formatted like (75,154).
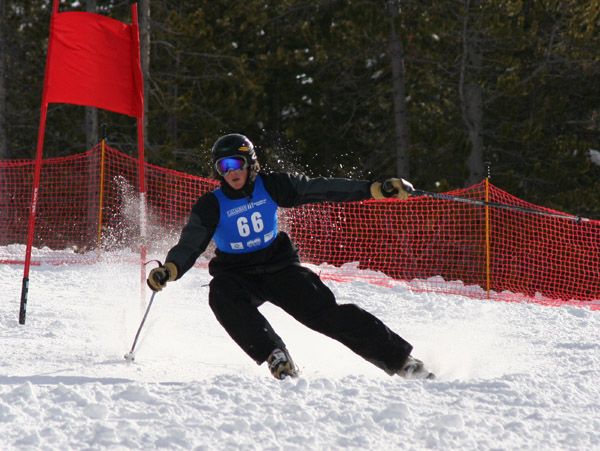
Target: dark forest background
(433,91)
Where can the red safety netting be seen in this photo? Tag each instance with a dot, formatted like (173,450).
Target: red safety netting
(429,244)
(74,217)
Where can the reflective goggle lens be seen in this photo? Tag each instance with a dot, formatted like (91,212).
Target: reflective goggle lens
(224,165)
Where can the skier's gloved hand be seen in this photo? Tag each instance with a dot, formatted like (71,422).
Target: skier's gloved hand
(398,188)
(158,277)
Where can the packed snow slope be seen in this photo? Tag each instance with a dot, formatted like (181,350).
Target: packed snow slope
(510,376)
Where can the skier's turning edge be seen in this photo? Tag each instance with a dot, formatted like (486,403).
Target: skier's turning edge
(255,262)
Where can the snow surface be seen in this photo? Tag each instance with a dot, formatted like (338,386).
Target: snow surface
(510,376)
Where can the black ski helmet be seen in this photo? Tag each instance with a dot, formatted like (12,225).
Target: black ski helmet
(232,145)
(235,145)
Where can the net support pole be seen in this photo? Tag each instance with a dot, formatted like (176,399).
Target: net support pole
(101,193)
(488,276)
(141,161)
(36,178)
(143,225)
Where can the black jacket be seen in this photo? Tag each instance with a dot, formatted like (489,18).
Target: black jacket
(287,190)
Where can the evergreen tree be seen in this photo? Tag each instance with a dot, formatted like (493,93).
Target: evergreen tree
(3,107)
(314,85)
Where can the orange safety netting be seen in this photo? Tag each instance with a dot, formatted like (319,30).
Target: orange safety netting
(430,244)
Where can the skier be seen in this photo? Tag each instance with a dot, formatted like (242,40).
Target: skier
(255,262)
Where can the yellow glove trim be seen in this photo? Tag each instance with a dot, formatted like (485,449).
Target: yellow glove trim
(397,183)
(376,191)
(172,269)
(167,269)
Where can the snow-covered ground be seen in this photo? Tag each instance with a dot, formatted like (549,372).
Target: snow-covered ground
(510,376)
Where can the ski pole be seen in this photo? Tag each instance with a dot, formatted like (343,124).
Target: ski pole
(129,356)
(482,203)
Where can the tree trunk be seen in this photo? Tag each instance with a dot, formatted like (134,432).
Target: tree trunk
(91,113)
(91,127)
(471,96)
(144,22)
(399,95)
(172,121)
(3,108)
(473,120)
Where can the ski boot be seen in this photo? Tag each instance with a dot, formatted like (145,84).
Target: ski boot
(414,369)
(281,364)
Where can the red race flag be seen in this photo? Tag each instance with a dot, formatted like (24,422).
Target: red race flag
(93,60)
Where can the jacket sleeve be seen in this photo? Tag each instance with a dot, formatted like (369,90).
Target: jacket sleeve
(291,190)
(196,234)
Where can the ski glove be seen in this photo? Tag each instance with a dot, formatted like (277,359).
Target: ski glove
(158,277)
(398,188)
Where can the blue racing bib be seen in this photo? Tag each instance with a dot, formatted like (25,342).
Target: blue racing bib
(246,225)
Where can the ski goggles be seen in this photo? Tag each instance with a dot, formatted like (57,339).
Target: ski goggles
(226,164)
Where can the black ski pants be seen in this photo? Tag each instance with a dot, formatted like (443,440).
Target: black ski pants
(234,298)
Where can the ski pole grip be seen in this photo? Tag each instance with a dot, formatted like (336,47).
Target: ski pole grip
(161,278)
(388,189)
(158,278)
